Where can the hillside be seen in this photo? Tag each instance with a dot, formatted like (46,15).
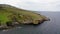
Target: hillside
(12,14)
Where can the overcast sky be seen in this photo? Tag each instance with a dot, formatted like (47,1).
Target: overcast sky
(36,5)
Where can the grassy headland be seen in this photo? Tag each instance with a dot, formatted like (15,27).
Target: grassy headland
(12,14)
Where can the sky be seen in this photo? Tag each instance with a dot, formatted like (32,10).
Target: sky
(34,5)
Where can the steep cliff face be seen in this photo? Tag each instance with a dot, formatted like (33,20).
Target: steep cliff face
(12,14)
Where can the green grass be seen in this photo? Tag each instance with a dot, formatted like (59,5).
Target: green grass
(8,10)
(4,17)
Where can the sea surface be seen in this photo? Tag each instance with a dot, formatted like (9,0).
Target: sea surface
(48,27)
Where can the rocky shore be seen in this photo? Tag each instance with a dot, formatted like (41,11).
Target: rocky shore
(10,25)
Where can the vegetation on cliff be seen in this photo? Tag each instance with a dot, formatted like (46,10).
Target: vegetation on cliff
(10,15)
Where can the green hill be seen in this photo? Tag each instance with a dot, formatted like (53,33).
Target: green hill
(12,14)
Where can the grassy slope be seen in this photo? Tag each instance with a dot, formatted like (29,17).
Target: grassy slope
(9,10)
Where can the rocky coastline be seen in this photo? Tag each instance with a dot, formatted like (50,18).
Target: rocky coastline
(10,25)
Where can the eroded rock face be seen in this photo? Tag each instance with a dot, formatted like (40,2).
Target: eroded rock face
(36,21)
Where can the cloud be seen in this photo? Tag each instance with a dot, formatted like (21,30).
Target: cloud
(37,5)
(41,5)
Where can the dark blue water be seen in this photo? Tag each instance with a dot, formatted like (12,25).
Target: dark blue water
(48,27)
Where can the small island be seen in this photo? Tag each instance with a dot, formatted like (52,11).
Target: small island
(11,16)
